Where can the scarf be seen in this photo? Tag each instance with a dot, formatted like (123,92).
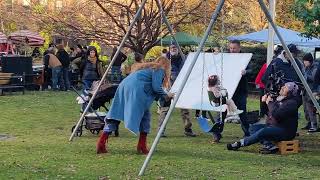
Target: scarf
(93,60)
(280,98)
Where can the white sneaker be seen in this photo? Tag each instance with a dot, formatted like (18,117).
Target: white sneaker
(237,112)
(230,119)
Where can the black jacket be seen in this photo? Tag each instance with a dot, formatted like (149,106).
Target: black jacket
(285,114)
(242,88)
(119,59)
(99,67)
(63,57)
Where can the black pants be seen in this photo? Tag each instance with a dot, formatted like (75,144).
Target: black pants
(241,102)
(203,113)
(263,105)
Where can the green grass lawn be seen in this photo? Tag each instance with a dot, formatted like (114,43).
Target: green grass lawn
(40,124)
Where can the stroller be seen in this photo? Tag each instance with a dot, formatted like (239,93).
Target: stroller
(94,121)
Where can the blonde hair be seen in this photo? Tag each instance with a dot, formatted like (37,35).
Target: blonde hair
(160,62)
(165,64)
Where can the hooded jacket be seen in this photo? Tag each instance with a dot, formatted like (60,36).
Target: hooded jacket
(309,75)
(284,114)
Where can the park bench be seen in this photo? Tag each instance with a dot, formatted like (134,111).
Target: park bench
(10,82)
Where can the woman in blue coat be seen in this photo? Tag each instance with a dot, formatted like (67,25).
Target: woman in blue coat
(133,100)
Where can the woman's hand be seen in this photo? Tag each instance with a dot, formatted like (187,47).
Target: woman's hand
(269,99)
(171,95)
(264,98)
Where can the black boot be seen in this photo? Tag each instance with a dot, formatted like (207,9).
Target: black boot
(234,146)
(189,132)
(308,126)
(216,137)
(116,132)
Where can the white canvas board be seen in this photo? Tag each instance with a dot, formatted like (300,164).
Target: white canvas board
(209,64)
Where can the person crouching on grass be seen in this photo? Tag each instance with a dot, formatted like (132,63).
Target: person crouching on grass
(133,100)
(282,120)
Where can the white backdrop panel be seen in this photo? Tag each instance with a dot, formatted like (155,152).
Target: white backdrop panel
(190,97)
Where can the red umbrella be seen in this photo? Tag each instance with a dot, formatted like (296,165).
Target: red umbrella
(3,38)
(26,36)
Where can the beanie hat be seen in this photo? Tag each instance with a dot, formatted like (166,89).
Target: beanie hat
(293,48)
(292,87)
(308,57)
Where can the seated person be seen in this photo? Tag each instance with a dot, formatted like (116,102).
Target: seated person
(282,120)
(216,91)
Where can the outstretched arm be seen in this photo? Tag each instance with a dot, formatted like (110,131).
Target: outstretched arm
(157,80)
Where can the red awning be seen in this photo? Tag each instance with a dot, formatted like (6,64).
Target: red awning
(26,36)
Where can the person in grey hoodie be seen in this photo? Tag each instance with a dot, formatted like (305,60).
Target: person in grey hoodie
(310,69)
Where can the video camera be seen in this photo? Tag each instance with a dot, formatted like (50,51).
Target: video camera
(276,80)
(274,83)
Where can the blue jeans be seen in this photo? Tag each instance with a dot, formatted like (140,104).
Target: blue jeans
(255,128)
(240,101)
(111,125)
(269,133)
(217,133)
(66,80)
(56,77)
(86,86)
(87,83)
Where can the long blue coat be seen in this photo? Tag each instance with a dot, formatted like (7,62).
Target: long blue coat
(135,95)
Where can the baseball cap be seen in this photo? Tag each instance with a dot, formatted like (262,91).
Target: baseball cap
(293,48)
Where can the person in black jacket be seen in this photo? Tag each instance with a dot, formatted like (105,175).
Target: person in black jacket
(79,53)
(241,93)
(116,67)
(282,63)
(63,57)
(91,69)
(282,120)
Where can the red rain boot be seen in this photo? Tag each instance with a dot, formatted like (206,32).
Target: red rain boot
(102,142)
(142,144)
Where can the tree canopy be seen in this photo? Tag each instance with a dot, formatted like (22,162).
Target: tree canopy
(106,21)
(308,11)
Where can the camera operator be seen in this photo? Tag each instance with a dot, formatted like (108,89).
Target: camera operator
(282,64)
(258,81)
(310,68)
(282,120)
